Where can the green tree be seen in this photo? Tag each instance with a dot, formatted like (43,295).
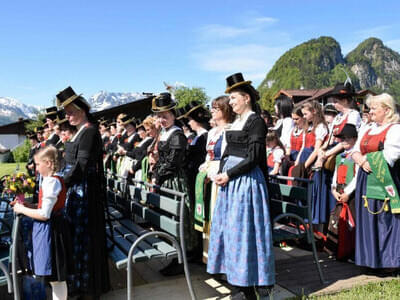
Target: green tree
(184,95)
(21,153)
(32,124)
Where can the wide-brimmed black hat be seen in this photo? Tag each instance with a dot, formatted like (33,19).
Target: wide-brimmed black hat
(128,120)
(342,90)
(330,109)
(180,112)
(197,112)
(68,96)
(163,102)
(31,135)
(234,81)
(51,113)
(61,118)
(348,130)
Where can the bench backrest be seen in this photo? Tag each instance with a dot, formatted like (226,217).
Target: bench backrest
(290,199)
(162,210)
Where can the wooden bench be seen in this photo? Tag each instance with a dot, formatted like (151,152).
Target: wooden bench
(291,212)
(130,207)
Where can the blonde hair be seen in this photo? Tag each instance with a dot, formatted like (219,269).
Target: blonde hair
(385,101)
(49,153)
(149,122)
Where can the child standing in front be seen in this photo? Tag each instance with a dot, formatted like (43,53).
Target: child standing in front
(49,232)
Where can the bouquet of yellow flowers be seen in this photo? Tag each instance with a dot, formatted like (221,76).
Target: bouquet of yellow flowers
(19,184)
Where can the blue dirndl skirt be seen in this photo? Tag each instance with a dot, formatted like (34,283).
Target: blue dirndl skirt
(323,200)
(377,236)
(241,239)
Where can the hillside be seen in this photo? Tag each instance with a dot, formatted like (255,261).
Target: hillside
(319,63)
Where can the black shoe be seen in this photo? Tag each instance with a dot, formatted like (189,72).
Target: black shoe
(245,293)
(264,292)
(174,268)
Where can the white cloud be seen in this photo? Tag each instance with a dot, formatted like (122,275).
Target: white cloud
(252,58)
(252,47)
(265,20)
(216,31)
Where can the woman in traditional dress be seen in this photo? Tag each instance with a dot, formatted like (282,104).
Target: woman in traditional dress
(198,119)
(223,116)
(51,116)
(147,133)
(169,169)
(284,125)
(316,135)
(85,181)
(378,220)
(241,238)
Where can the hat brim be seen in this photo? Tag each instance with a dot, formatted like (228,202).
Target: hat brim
(50,113)
(236,85)
(72,99)
(163,108)
(186,114)
(59,122)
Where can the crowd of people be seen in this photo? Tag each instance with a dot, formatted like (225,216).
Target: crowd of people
(222,158)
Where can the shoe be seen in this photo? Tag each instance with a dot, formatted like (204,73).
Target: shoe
(264,292)
(174,268)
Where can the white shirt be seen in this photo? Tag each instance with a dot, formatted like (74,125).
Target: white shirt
(391,150)
(51,187)
(287,126)
(165,134)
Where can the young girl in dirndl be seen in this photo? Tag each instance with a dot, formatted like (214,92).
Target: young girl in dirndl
(50,236)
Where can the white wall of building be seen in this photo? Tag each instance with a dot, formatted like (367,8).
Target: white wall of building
(11,141)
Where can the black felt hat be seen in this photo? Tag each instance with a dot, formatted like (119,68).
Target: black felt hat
(51,113)
(61,118)
(234,81)
(68,96)
(342,90)
(348,130)
(197,112)
(128,120)
(180,112)
(330,109)
(163,102)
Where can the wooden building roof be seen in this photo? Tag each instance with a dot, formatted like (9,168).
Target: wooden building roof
(14,128)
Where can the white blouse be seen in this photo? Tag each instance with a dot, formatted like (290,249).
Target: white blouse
(51,187)
(391,150)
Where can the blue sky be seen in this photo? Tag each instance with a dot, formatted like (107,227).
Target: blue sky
(133,46)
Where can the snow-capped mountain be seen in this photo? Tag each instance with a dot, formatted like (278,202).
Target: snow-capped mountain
(104,100)
(11,109)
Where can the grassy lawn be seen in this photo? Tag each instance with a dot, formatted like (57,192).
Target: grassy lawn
(9,168)
(379,290)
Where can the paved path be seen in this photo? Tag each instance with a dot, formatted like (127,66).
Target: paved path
(296,275)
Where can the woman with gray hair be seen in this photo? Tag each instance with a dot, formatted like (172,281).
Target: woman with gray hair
(377,152)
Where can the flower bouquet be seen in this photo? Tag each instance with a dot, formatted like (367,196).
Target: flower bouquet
(19,184)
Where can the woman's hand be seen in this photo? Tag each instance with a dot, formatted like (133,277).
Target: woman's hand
(222,179)
(344,197)
(336,195)
(18,207)
(366,167)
